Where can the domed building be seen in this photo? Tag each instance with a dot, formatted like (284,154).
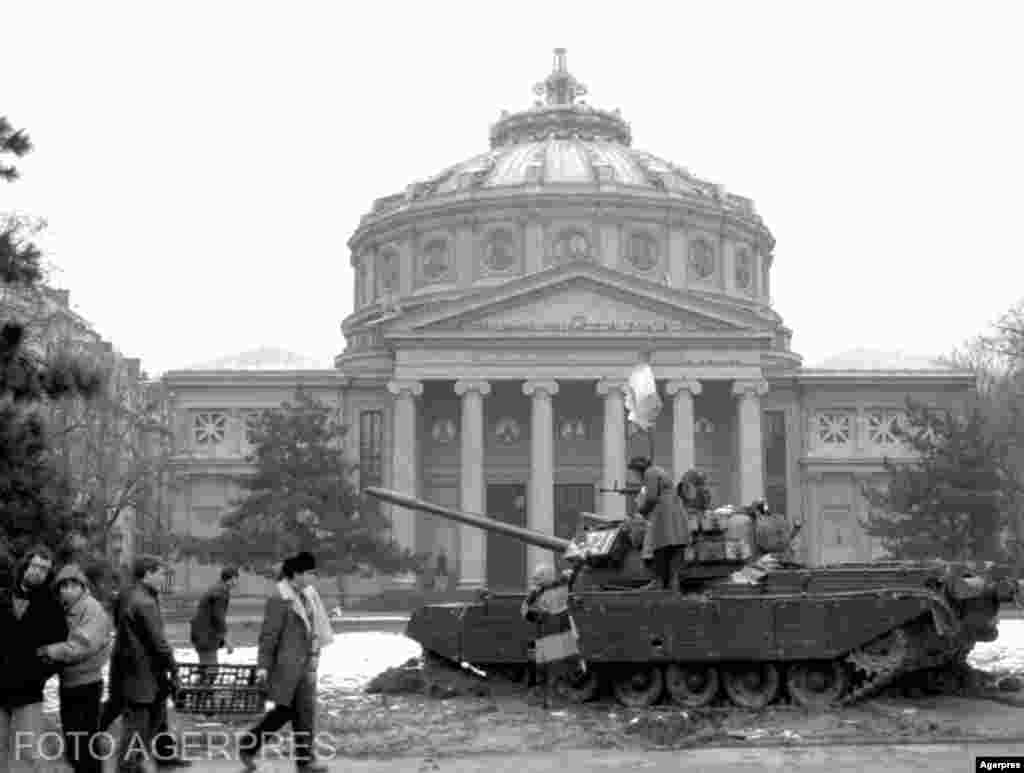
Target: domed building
(499,307)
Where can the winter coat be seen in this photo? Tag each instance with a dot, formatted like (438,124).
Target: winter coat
(142,665)
(209,625)
(90,636)
(660,503)
(289,644)
(547,606)
(23,672)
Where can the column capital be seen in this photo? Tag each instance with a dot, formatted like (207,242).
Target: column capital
(482,387)
(539,388)
(756,387)
(401,386)
(607,385)
(679,386)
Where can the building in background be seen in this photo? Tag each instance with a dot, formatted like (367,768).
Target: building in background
(105,444)
(499,307)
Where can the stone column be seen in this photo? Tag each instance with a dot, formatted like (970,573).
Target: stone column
(614,443)
(473,554)
(541,503)
(683,444)
(404,467)
(750,448)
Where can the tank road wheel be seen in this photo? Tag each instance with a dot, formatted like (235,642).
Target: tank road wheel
(692,684)
(638,686)
(580,686)
(752,685)
(816,684)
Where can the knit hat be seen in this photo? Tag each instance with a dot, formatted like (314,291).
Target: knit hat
(71,572)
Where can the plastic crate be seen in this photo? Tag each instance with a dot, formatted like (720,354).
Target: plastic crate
(219,689)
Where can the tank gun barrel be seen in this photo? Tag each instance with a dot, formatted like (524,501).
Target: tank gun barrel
(530,537)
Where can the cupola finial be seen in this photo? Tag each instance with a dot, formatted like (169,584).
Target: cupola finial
(560,88)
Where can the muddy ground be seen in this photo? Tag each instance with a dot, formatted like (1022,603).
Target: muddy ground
(435,712)
(432,712)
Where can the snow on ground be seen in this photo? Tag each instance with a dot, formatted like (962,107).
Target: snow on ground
(1005,654)
(354,658)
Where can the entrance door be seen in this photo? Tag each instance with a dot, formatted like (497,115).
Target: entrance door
(571,499)
(506,557)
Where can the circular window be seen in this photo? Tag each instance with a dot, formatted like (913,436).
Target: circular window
(435,259)
(702,259)
(572,245)
(744,269)
(643,252)
(500,251)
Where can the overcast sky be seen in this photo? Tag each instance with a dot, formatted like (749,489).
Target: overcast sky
(203,164)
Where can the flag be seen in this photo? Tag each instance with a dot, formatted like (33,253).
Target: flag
(642,400)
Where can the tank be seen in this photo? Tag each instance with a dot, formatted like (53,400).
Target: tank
(752,626)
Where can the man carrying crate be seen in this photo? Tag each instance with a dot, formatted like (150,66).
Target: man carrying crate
(209,626)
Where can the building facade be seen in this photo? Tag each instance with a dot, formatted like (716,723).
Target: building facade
(499,307)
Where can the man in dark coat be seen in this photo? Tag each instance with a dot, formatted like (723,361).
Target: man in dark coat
(30,618)
(209,627)
(142,667)
(289,653)
(667,530)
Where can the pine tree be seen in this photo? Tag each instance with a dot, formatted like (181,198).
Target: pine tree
(301,497)
(947,503)
(34,499)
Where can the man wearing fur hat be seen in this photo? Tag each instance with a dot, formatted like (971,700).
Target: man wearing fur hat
(295,629)
(82,658)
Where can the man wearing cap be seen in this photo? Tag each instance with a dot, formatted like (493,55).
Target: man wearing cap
(295,627)
(667,530)
(82,658)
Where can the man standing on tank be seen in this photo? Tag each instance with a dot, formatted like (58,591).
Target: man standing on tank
(667,531)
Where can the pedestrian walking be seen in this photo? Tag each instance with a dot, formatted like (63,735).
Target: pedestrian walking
(209,625)
(81,658)
(30,618)
(295,628)
(142,669)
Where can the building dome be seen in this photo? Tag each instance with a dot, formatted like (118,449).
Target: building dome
(561,184)
(563,145)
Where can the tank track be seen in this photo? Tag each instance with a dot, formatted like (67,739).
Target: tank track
(879,670)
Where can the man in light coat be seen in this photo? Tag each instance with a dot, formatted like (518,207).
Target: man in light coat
(82,658)
(295,628)
(667,530)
